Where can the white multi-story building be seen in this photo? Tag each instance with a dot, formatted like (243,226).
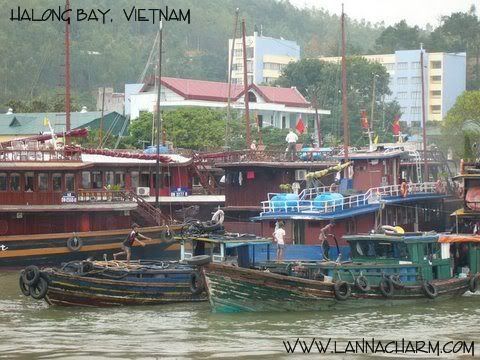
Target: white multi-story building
(266,58)
(444,79)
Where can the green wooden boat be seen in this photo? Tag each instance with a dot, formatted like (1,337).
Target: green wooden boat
(385,270)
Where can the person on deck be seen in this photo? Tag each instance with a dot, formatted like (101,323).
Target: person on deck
(129,241)
(279,238)
(291,140)
(325,232)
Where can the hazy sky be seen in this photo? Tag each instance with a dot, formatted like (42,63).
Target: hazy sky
(416,12)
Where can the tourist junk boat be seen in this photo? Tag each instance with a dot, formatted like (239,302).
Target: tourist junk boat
(385,270)
(115,283)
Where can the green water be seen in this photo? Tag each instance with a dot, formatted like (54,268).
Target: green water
(30,329)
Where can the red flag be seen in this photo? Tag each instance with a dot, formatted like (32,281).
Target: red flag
(396,125)
(364,120)
(300,125)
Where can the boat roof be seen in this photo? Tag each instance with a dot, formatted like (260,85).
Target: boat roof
(406,238)
(232,241)
(459,238)
(105,159)
(365,155)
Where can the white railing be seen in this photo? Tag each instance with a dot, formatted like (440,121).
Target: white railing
(372,196)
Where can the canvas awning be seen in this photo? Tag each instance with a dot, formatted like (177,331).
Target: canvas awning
(459,238)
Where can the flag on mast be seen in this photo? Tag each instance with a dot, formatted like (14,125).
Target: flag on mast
(300,125)
(364,119)
(396,125)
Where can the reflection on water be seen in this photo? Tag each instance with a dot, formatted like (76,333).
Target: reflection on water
(31,329)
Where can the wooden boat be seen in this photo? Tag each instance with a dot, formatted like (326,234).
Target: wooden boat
(110,283)
(385,270)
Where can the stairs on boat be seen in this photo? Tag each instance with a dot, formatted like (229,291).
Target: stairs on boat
(148,212)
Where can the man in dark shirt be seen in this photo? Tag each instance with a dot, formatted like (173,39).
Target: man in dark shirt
(129,241)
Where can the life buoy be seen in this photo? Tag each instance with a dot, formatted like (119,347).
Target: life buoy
(24,288)
(362,284)
(429,290)
(196,283)
(30,275)
(74,243)
(386,287)
(404,189)
(342,290)
(39,290)
(218,217)
(474,282)
(390,230)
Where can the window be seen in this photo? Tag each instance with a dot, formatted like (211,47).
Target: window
(284,122)
(249,52)
(97,182)
(415,65)
(436,93)
(15,182)
(29,181)
(57,182)
(402,81)
(3,182)
(402,66)
(436,64)
(145,179)
(402,95)
(237,52)
(252,97)
(120,179)
(135,179)
(435,79)
(69,182)
(109,178)
(415,95)
(42,182)
(415,110)
(390,66)
(86,180)
(435,109)
(416,80)
(273,66)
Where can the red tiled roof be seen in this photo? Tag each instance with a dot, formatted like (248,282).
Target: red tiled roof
(218,91)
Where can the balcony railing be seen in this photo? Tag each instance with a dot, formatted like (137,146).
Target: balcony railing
(14,155)
(101,195)
(372,196)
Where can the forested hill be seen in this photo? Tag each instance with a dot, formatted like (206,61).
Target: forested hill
(32,57)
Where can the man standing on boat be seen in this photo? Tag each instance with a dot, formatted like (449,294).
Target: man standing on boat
(129,241)
(325,232)
(279,238)
(291,140)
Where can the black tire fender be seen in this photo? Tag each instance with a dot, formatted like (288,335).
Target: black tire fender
(429,290)
(199,260)
(39,290)
(24,288)
(342,290)
(74,243)
(197,285)
(474,283)
(386,287)
(362,284)
(30,275)
(396,281)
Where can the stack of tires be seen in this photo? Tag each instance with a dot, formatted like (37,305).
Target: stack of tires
(34,282)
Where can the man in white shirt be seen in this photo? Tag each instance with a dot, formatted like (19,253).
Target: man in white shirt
(291,140)
(279,238)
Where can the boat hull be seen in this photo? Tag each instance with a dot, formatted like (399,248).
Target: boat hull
(172,286)
(233,289)
(52,249)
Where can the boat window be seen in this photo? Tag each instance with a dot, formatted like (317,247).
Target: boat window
(433,250)
(69,182)
(120,179)
(42,182)
(29,181)
(86,182)
(3,182)
(109,178)
(97,182)
(145,179)
(57,182)
(15,182)
(374,249)
(135,179)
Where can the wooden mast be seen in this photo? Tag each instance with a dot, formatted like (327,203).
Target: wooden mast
(344,95)
(424,127)
(67,74)
(232,52)
(245,86)
(159,120)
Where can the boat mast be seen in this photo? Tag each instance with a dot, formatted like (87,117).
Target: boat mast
(344,95)
(67,74)
(100,130)
(245,86)
(230,77)
(159,120)
(424,127)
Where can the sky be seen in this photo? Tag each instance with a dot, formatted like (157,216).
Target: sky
(416,12)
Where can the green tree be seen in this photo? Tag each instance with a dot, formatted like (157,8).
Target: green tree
(399,37)
(461,127)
